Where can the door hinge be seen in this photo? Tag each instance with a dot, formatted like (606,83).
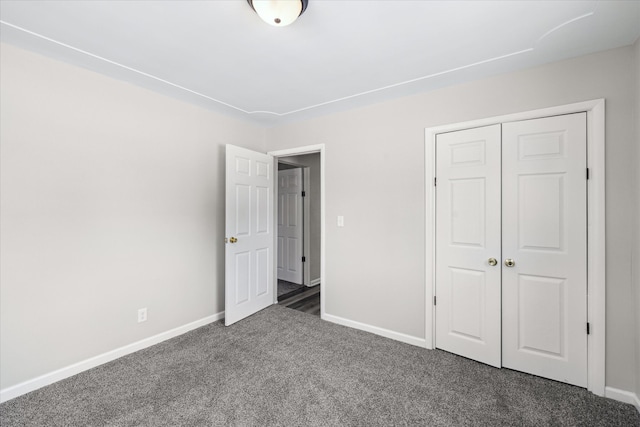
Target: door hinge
(435,181)
(588,328)
(587,173)
(304,194)
(434,300)
(304,259)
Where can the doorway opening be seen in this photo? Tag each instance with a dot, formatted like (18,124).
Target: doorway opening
(298,228)
(299,208)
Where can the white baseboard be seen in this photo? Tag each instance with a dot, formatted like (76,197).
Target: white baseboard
(622,396)
(314,282)
(68,371)
(408,339)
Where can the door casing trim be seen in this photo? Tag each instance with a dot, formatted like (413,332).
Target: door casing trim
(596,257)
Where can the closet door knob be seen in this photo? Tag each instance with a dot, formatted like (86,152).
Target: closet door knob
(509,262)
(233,240)
(493,261)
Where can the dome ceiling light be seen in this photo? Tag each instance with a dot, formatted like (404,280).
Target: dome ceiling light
(279,13)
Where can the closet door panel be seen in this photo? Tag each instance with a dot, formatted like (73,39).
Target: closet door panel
(544,232)
(467,235)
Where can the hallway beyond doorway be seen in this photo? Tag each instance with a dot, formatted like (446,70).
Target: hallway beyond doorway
(302,298)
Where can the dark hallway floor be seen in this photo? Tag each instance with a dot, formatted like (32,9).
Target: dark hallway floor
(299,297)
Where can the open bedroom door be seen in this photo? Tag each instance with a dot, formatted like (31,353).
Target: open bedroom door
(249,234)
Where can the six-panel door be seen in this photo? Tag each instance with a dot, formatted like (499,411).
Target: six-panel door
(249,233)
(467,236)
(544,295)
(533,203)
(290,225)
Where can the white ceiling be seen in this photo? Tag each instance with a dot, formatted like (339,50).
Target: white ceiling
(338,55)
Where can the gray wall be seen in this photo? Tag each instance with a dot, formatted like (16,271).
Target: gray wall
(375,178)
(112,199)
(313,162)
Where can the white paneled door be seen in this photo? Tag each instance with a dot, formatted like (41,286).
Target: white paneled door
(249,233)
(544,245)
(468,243)
(290,242)
(511,246)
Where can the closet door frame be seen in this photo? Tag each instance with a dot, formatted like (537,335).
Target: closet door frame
(596,260)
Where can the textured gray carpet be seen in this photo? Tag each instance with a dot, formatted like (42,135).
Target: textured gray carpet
(311,373)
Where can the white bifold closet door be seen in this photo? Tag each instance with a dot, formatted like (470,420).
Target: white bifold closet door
(544,232)
(511,261)
(467,236)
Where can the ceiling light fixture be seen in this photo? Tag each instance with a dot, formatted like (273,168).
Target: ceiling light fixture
(279,13)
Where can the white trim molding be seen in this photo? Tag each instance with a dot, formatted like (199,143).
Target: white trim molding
(408,339)
(306,224)
(314,282)
(84,365)
(623,396)
(596,260)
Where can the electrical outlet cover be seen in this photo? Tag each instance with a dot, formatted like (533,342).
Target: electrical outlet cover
(142,315)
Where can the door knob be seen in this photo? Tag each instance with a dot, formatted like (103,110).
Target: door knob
(493,261)
(509,262)
(233,240)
